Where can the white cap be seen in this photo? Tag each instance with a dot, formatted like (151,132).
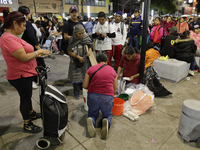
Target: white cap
(196,26)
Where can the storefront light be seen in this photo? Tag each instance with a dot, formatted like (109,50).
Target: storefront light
(88,11)
(6,2)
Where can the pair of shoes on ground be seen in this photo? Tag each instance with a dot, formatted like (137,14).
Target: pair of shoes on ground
(29,126)
(92,130)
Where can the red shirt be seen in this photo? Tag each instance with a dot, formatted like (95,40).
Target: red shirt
(130,67)
(102,82)
(15,68)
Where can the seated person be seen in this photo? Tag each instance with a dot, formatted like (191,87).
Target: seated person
(196,36)
(167,46)
(185,49)
(152,53)
(130,63)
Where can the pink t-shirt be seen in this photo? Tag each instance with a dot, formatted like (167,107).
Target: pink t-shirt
(15,68)
(102,82)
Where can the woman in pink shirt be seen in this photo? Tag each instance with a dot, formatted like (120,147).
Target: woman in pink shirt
(21,64)
(101,88)
(182,25)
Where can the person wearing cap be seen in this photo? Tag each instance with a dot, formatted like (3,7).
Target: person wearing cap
(88,26)
(152,53)
(167,46)
(135,29)
(182,25)
(68,27)
(103,31)
(119,40)
(195,35)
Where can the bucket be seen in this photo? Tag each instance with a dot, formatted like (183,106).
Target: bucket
(118,107)
(124,96)
(85,93)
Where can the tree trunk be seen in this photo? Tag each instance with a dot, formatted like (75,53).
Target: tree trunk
(82,8)
(76,2)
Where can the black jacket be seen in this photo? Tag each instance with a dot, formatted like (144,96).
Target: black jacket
(167,47)
(185,49)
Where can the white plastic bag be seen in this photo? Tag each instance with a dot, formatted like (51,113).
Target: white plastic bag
(128,112)
(121,86)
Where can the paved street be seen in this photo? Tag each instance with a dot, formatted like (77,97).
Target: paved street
(159,123)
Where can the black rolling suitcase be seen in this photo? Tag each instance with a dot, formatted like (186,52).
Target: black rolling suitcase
(54,111)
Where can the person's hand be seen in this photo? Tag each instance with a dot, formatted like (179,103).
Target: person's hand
(103,35)
(132,78)
(88,54)
(128,40)
(81,59)
(97,33)
(42,52)
(136,36)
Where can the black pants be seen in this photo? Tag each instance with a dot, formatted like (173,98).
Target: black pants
(77,87)
(24,88)
(40,62)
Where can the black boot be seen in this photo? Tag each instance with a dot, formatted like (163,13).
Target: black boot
(31,128)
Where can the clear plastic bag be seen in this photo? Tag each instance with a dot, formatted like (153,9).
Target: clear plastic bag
(121,86)
(141,100)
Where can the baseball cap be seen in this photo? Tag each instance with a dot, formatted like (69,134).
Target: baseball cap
(73,8)
(173,29)
(137,10)
(196,26)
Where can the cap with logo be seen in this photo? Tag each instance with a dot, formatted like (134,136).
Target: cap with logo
(73,8)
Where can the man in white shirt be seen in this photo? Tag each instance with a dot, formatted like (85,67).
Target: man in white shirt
(103,31)
(119,40)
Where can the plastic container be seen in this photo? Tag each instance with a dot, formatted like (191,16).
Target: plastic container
(85,93)
(118,107)
(124,96)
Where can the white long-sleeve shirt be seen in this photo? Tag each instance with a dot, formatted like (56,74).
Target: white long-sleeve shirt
(119,39)
(38,32)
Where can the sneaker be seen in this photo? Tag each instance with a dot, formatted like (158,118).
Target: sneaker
(34,85)
(31,128)
(35,115)
(58,52)
(66,55)
(104,130)
(191,72)
(90,126)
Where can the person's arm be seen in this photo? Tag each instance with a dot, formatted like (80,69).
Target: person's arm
(76,56)
(42,29)
(141,27)
(38,33)
(161,33)
(111,35)
(89,52)
(119,71)
(115,85)
(124,35)
(187,27)
(135,76)
(86,81)
(21,54)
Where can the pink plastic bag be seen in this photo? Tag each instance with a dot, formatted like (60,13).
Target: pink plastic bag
(140,102)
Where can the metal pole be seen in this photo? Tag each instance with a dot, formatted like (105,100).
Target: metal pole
(124,5)
(34,8)
(144,39)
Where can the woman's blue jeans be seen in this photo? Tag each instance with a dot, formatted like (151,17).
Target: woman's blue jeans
(101,102)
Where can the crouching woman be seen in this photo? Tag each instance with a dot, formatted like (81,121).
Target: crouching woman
(101,82)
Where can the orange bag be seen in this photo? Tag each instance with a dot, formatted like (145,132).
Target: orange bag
(140,102)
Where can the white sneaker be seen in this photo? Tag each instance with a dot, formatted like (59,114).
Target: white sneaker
(104,130)
(34,85)
(66,55)
(58,52)
(191,72)
(90,126)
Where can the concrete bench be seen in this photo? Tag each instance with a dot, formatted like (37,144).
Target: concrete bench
(173,69)
(197,59)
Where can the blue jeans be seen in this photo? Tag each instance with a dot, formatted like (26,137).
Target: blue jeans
(101,102)
(192,64)
(134,42)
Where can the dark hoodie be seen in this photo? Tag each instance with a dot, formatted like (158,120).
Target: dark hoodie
(185,50)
